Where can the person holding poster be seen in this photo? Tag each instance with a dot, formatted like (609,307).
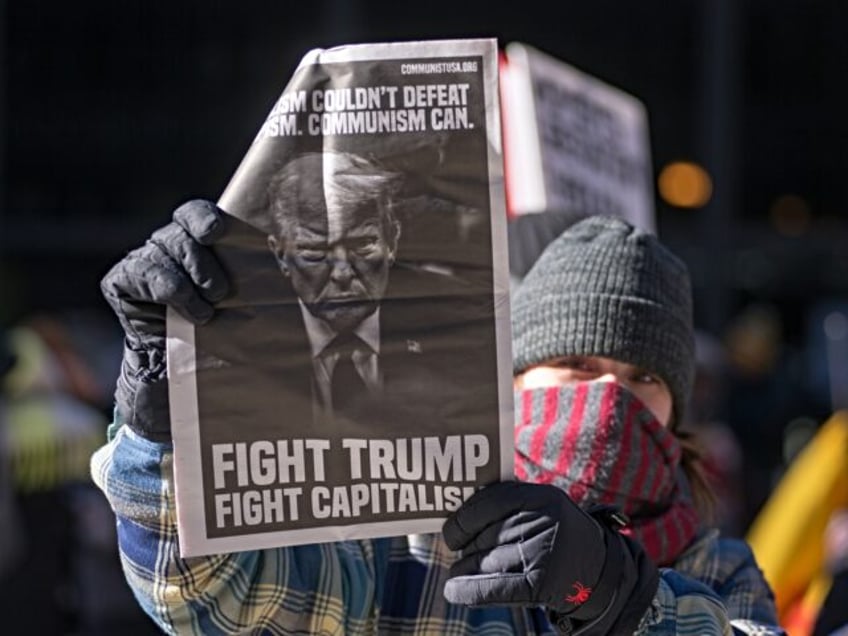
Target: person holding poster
(600,534)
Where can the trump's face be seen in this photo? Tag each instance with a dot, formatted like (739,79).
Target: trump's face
(338,258)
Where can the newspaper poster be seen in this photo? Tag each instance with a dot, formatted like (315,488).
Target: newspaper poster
(357,383)
(574,145)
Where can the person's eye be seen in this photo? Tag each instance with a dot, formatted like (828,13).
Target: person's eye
(643,377)
(575,364)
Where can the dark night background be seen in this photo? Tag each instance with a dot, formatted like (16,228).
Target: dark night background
(116,112)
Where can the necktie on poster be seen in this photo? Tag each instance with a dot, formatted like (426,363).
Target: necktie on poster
(347,382)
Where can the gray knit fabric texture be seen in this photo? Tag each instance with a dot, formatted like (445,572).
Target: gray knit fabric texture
(605,288)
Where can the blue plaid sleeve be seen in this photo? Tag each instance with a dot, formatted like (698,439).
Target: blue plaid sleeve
(716,587)
(329,588)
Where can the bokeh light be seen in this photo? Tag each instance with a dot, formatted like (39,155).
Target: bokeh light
(790,215)
(684,184)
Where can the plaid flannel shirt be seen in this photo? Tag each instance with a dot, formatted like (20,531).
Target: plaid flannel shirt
(380,586)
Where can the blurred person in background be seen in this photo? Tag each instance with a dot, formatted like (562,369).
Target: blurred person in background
(761,399)
(833,616)
(64,575)
(10,524)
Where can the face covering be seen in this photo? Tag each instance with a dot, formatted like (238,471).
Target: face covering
(602,445)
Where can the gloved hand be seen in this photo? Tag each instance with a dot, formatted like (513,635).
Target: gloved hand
(528,545)
(176,268)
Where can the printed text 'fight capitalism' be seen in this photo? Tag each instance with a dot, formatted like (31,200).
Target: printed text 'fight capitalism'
(269,481)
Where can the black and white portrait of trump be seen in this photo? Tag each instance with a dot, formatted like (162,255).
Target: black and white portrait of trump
(336,240)
(352,290)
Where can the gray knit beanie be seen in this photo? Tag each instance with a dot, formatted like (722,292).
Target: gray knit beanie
(605,288)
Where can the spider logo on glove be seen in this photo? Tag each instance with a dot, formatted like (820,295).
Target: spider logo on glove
(581,593)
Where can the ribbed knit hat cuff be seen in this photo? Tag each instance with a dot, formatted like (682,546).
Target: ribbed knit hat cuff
(625,328)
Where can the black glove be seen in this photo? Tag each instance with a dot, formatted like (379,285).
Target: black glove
(175,267)
(529,545)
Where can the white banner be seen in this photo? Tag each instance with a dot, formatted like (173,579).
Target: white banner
(574,145)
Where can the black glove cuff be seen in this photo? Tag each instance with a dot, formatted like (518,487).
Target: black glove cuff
(141,395)
(644,588)
(608,581)
(602,594)
(624,590)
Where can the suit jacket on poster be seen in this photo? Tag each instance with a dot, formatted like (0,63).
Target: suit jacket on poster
(437,360)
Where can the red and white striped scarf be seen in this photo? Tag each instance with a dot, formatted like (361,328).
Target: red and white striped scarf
(602,445)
